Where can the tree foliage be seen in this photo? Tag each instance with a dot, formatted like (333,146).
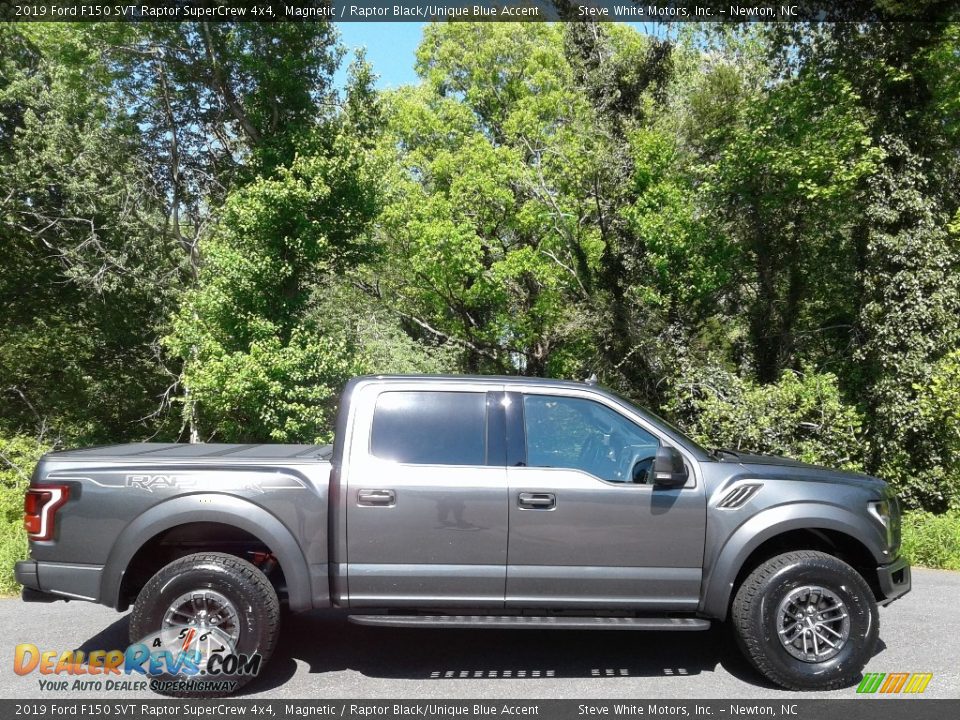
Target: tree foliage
(257,364)
(752,228)
(85,276)
(802,416)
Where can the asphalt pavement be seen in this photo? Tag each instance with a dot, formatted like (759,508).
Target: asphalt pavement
(321,656)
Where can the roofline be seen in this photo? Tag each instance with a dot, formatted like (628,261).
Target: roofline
(492,379)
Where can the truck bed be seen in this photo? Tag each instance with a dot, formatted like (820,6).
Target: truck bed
(123,498)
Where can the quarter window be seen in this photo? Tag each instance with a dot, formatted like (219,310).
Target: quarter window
(579,434)
(430,428)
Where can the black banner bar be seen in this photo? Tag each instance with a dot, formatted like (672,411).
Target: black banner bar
(788,708)
(476,10)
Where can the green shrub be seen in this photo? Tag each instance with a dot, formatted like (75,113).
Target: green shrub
(13,547)
(801,416)
(939,405)
(932,540)
(18,455)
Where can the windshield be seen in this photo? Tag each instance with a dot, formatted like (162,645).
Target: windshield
(658,420)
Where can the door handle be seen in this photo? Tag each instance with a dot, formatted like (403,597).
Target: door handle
(537,501)
(377,498)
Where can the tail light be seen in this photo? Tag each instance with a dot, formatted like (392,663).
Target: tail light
(40,506)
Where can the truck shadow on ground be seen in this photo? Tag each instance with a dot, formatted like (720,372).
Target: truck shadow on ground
(326,642)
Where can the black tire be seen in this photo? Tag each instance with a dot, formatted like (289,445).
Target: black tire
(245,586)
(757,620)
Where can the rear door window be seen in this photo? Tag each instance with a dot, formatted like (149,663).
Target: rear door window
(430,428)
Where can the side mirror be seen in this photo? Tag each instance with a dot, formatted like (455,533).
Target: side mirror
(669,469)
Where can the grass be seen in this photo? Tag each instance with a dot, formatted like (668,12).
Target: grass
(932,540)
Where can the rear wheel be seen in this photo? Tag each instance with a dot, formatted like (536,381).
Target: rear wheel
(201,606)
(806,620)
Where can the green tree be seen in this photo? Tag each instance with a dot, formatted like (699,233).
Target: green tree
(257,362)
(86,277)
(802,415)
(217,104)
(906,299)
(782,184)
(834,180)
(939,404)
(486,242)
(909,318)
(514,206)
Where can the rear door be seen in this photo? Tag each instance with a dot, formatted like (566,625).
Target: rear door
(427,497)
(587,530)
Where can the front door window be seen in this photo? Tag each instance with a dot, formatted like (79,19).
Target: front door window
(579,434)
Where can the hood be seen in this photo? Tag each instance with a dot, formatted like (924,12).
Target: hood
(788,468)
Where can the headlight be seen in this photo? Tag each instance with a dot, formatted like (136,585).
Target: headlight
(887,513)
(880,509)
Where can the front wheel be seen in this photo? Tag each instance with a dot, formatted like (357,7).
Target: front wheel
(806,620)
(205,625)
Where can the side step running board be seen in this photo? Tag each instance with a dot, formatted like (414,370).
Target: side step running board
(535,622)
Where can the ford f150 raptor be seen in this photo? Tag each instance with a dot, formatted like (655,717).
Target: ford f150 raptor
(476,502)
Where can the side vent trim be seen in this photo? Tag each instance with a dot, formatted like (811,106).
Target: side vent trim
(739,495)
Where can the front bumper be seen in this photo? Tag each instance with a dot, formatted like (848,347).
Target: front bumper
(894,580)
(47,581)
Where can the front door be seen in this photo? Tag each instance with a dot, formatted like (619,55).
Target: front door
(587,529)
(427,499)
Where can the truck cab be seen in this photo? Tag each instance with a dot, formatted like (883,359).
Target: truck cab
(509,494)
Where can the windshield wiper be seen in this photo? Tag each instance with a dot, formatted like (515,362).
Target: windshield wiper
(719,452)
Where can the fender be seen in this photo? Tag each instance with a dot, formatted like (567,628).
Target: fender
(718,582)
(209,507)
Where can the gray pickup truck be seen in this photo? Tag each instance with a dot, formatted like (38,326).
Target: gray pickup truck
(476,502)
